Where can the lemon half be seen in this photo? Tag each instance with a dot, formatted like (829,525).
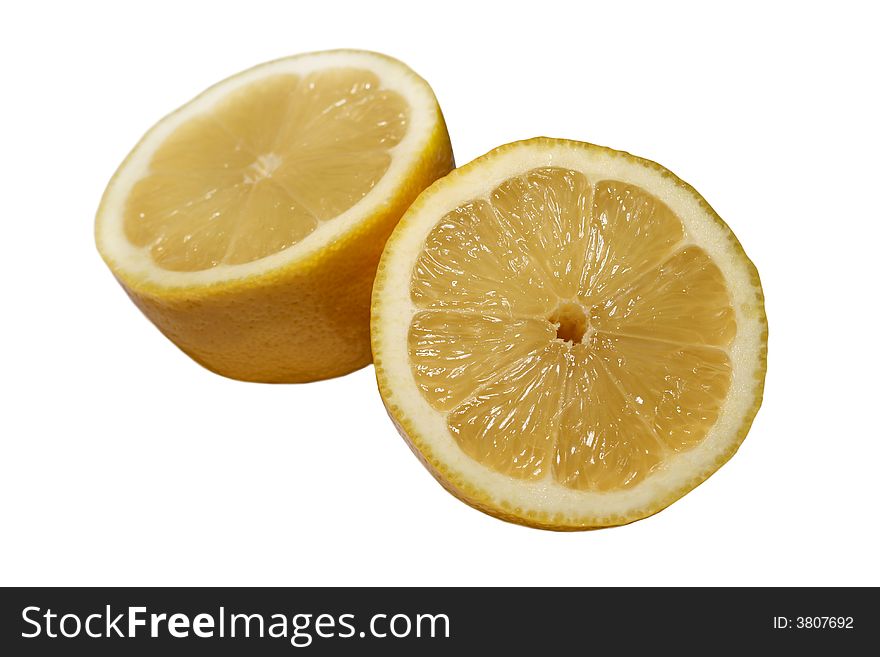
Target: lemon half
(568,336)
(248,224)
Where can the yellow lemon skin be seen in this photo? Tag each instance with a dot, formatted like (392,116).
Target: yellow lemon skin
(307,321)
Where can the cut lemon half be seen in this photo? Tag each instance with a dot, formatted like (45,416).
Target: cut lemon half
(248,224)
(568,336)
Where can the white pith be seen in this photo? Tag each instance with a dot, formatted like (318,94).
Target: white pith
(135,262)
(394,309)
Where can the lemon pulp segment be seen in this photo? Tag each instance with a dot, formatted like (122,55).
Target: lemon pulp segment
(569,330)
(259,171)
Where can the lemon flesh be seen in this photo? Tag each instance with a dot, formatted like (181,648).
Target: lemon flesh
(264,168)
(569,332)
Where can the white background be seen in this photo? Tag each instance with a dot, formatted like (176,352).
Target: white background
(125,463)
